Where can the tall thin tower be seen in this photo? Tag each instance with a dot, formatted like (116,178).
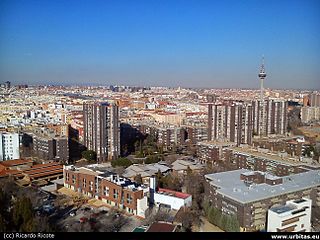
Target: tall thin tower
(262,118)
(262,75)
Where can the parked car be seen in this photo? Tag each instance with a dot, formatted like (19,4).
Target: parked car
(72,213)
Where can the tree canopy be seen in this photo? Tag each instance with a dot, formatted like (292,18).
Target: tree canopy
(90,156)
(121,162)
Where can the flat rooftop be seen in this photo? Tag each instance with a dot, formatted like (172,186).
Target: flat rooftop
(217,143)
(282,209)
(270,156)
(230,185)
(170,192)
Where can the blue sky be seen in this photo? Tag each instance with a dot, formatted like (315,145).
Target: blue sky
(161,42)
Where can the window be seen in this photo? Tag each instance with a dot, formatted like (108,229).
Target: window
(67,176)
(106,191)
(84,183)
(115,194)
(129,198)
(73,179)
(91,186)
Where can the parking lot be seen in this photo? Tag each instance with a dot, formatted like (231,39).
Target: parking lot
(87,218)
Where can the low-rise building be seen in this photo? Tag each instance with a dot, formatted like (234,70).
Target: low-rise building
(112,189)
(248,195)
(171,198)
(146,171)
(294,216)
(181,165)
(279,163)
(210,152)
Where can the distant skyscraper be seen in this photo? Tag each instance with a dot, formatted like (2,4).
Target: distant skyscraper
(102,129)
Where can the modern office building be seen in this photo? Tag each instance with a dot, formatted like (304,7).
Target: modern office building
(250,194)
(294,216)
(102,129)
(9,146)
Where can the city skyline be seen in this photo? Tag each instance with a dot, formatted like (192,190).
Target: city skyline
(189,44)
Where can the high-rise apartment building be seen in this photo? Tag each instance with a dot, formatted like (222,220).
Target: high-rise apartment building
(314,100)
(275,117)
(310,114)
(9,146)
(102,129)
(230,122)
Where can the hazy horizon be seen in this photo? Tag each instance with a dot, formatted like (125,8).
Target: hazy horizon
(192,44)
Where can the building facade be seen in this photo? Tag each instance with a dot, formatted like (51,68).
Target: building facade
(248,195)
(294,216)
(230,122)
(256,160)
(102,129)
(270,118)
(51,148)
(108,187)
(9,146)
(310,114)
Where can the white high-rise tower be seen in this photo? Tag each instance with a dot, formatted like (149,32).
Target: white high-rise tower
(262,123)
(262,75)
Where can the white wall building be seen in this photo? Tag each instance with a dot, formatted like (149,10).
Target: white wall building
(174,199)
(294,216)
(9,146)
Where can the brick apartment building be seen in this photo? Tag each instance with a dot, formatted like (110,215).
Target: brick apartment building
(248,195)
(253,159)
(210,152)
(292,146)
(108,187)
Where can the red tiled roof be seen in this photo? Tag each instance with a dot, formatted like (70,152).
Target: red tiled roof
(8,172)
(11,163)
(41,170)
(37,166)
(42,174)
(174,193)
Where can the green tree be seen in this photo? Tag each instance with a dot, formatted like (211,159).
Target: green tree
(159,179)
(90,156)
(23,215)
(121,162)
(138,179)
(189,172)
(234,224)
